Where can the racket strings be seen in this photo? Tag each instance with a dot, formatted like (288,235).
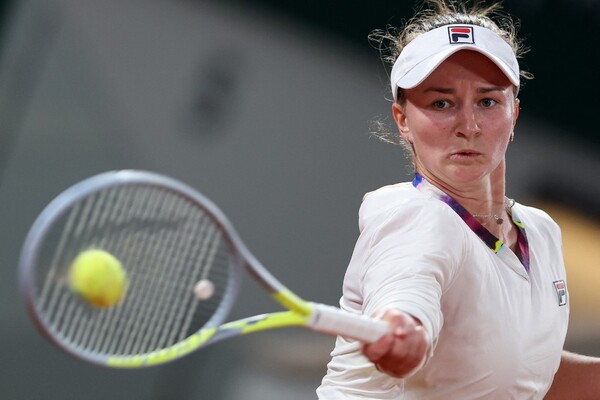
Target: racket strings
(164,284)
(64,307)
(133,247)
(94,331)
(75,321)
(153,280)
(172,329)
(209,249)
(136,249)
(166,245)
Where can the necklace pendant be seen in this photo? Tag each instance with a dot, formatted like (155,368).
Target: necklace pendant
(499,221)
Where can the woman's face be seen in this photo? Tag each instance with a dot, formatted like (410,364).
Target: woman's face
(459,120)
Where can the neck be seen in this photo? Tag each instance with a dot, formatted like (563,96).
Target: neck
(484,196)
(499,223)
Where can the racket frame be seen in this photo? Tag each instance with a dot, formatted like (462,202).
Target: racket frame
(299,312)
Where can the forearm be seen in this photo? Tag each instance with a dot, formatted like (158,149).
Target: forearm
(577,378)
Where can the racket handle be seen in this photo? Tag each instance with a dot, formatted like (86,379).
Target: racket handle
(334,321)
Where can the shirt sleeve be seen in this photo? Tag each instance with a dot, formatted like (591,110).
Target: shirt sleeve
(408,252)
(412,253)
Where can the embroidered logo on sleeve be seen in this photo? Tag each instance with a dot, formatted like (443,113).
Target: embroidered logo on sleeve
(561,292)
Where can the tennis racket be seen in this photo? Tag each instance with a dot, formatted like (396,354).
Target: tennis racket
(168,237)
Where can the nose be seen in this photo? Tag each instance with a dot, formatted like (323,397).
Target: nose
(466,122)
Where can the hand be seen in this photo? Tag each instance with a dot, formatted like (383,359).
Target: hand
(402,350)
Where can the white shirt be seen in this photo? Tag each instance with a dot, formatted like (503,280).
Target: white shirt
(497,330)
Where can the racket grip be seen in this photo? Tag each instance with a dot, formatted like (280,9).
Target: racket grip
(334,321)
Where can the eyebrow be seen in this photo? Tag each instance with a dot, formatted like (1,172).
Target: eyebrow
(451,91)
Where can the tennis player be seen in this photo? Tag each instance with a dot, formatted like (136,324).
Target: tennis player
(472,283)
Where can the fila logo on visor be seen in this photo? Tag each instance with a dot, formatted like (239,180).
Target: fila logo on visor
(561,292)
(461,34)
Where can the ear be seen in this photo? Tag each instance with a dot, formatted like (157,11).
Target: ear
(515,117)
(399,115)
(516,111)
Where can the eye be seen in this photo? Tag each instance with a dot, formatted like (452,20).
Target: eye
(487,103)
(441,104)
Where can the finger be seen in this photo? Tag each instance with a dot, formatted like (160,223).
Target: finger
(400,322)
(406,354)
(407,349)
(376,350)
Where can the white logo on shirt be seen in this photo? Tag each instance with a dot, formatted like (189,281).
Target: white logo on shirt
(561,292)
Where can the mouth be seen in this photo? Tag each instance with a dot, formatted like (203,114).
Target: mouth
(465,154)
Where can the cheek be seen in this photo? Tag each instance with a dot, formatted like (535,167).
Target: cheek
(502,128)
(430,147)
(430,132)
(498,139)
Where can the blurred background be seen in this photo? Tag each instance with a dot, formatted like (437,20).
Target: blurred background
(266,107)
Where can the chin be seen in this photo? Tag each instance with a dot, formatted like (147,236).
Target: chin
(467,177)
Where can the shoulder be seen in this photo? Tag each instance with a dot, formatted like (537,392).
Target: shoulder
(402,202)
(534,213)
(536,219)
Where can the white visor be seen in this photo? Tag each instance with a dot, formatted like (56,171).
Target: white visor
(426,52)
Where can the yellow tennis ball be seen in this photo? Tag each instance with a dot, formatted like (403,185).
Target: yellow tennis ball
(98,277)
